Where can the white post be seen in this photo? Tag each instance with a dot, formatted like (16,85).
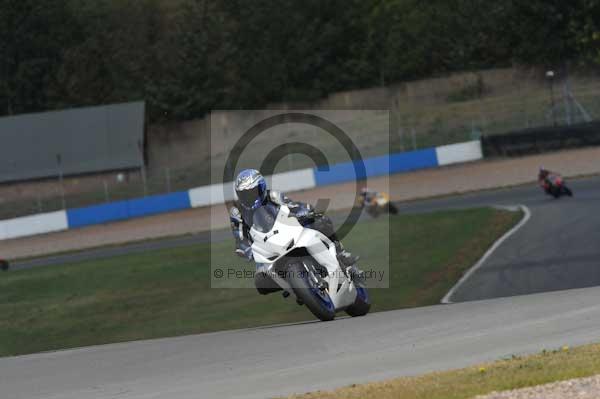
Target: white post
(168,177)
(61,180)
(567,101)
(143,170)
(106,193)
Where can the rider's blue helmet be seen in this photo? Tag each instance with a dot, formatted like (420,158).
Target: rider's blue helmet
(251,189)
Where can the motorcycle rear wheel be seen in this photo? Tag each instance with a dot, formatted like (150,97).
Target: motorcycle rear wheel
(361,305)
(556,192)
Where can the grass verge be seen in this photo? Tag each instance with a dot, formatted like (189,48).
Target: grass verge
(514,373)
(168,292)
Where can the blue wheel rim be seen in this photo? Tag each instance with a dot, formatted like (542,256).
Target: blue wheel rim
(362,293)
(323,297)
(325,301)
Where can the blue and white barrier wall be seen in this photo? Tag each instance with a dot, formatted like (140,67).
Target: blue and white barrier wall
(130,209)
(33,225)
(402,162)
(219,193)
(459,153)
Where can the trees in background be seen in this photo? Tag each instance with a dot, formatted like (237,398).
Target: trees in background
(33,36)
(185,57)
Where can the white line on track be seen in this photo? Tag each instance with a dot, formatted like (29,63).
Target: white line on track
(527,215)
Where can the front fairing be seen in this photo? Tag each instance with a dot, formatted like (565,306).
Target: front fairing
(274,234)
(287,234)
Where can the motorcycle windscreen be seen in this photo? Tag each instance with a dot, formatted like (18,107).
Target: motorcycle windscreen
(264,218)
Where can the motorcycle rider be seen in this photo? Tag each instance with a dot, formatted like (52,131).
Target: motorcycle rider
(376,202)
(543,176)
(251,189)
(367,196)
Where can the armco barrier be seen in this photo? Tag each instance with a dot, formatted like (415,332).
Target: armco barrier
(378,166)
(402,162)
(210,195)
(130,209)
(219,193)
(459,153)
(33,225)
(293,181)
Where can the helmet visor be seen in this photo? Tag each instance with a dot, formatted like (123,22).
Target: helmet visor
(251,198)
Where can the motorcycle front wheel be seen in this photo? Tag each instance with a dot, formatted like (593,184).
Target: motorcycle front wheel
(308,292)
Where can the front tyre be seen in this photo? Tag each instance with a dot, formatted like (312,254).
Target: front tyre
(362,303)
(308,292)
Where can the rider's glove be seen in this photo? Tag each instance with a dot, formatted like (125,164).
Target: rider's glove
(303,213)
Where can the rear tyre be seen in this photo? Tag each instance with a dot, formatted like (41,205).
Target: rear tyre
(308,292)
(568,191)
(361,305)
(556,193)
(392,209)
(373,210)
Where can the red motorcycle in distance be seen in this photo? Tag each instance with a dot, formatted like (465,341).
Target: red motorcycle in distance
(555,186)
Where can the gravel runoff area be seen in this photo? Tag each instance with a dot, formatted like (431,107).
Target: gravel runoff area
(583,388)
(403,187)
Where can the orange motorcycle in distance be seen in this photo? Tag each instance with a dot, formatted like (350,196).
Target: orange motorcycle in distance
(376,203)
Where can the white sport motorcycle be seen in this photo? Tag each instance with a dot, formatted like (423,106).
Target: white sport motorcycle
(303,262)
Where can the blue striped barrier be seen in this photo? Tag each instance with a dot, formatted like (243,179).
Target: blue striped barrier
(400,162)
(213,195)
(377,166)
(122,210)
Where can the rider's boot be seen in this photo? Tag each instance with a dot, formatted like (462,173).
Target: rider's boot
(345,257)
(348,263)
(355,274)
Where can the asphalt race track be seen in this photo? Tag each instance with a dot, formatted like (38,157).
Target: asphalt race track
(267,362)
(556,250)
